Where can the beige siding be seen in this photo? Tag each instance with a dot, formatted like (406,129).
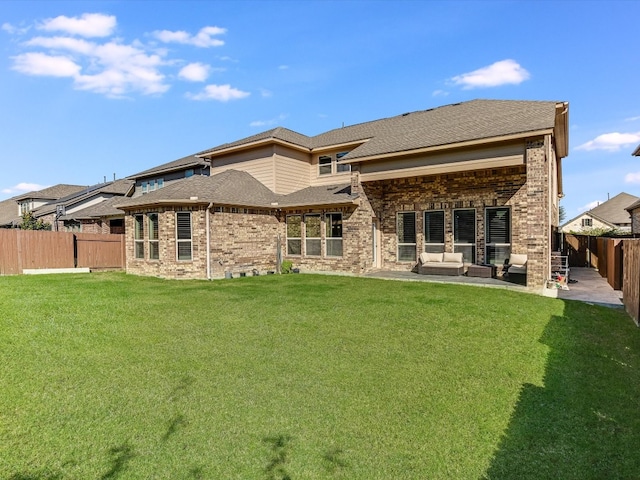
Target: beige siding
(259,163)
(334,178)
(576,225)
(291,174)
(500,156)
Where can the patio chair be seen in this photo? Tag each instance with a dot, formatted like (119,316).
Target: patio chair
(515,264)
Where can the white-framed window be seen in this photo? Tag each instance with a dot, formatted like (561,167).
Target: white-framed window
(342,167)
(294,235)
(464,233)
(497,222)
(312,235)
(330,164)
(144,187)
(406,232)
(138,236)
(72,226)
(587,222)
(333,234)
(183,235)
(434,231)
(154,242)
(325,165)
(25,207)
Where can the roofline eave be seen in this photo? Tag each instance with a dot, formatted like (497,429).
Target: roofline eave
(447,146)
(246,146)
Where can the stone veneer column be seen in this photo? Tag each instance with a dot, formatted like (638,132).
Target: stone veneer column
(538,224)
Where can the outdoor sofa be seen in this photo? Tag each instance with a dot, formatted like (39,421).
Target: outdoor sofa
(440,264)
(516,264)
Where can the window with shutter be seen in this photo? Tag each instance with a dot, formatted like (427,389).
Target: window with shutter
(183,235)
(406,231)
(498,235)
(464,234)
(138,235)
(154,245)
(434,231)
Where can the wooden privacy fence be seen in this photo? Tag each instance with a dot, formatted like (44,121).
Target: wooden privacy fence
(27,249)
(631,281)
(603,253)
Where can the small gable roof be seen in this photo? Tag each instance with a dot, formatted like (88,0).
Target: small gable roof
(614,210)
(636,152)
(180,164)
(55,192)
(103,209)
(233,187)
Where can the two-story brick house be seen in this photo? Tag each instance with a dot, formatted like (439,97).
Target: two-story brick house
(480,177)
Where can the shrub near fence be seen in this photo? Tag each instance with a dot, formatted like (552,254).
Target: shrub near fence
(28,249)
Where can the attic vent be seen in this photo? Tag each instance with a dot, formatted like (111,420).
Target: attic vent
(405,114)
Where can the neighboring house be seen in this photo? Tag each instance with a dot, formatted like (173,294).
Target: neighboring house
(609,215)
(480,177)
(634,208)
(30,202)
(73,214)
(163,175)
(8,217)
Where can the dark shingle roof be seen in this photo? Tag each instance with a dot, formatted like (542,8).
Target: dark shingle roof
(325,195)
(636,152)
(102,209)
(614,210)
(181,163)
(279,133)
(449,124)
(52,193)
(9,212)
(233,187)
(229,187)
(118,187)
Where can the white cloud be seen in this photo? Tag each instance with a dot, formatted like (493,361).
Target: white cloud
(440,93)
(632,119)
(24,187)
(87,25)
(204,38)
(273,121)
(13,30)
(221,93)
(45,65)
(504,72)
(632,178)
(63,43)
(266,93)
(283,67)
(611,142)
(194,72)
(111,66)
(589,206)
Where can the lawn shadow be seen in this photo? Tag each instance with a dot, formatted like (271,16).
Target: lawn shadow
(583,423)
(120,457)
(41,475)
(279,449)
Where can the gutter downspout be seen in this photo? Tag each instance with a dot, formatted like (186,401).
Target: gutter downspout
(208,224)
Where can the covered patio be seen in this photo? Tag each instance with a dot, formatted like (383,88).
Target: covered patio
(589,287)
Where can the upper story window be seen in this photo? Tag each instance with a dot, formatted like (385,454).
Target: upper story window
(329,164)
(587,222)
(25,207)
(150,185)
(189,173)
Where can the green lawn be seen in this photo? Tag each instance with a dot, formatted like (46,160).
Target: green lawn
(107,376)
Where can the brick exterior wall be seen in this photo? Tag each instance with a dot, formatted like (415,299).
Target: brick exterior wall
(242,241)
(635,221)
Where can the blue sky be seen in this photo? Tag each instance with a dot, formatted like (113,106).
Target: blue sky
(93,89)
